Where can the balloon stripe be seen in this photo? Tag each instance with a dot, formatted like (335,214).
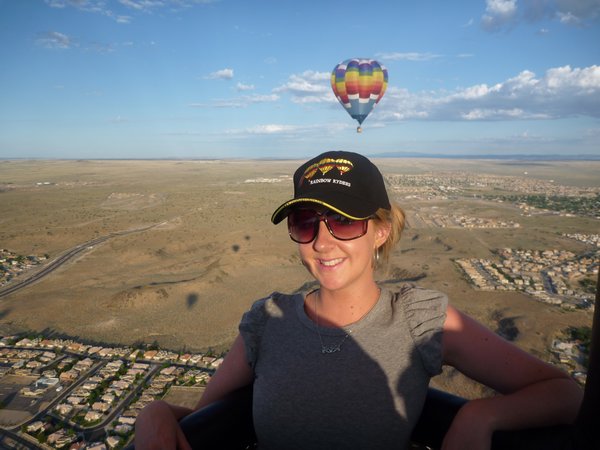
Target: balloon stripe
(340,87)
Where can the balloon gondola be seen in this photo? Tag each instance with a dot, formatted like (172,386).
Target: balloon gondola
(359,84)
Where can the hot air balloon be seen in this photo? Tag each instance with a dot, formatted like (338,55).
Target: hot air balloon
(359,84)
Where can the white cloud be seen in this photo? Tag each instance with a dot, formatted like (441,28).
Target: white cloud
(223,74)
(271,129)
(499,14)
(291,131)
(577,12)
(56,3)
(244,87)
(262,98)
(108,9)
(57,40)
(133,4)
(408,56)
(238,102)
(487,114)
(503,14)
(91,6)
(152,5)
(561,92)
(54,39)
(504,8)
(308,87)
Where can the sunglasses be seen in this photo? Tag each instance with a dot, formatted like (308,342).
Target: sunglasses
(303,225)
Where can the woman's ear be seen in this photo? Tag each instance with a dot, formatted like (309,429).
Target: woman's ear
(382,231)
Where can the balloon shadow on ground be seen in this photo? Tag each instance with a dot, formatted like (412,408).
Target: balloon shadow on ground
(192,299)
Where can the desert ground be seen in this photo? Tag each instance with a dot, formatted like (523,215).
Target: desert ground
(191,246)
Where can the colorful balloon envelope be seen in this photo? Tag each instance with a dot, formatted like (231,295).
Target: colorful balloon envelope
(358,85)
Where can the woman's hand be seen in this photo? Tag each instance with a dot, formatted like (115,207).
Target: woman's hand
(157,427)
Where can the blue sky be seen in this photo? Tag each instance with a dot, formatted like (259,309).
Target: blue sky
(250,78)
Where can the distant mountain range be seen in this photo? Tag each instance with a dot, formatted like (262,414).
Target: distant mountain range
(517,157)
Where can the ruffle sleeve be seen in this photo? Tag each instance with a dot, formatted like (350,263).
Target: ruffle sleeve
(425,311)
(252,327)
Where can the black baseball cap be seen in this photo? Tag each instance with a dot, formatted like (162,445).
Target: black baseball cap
(345,182)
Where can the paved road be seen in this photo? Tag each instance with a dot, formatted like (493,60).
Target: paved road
(13,440)
(66,256)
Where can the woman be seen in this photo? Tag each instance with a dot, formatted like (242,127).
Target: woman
(347,365)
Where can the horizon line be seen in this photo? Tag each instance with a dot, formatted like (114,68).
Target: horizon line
(390,155)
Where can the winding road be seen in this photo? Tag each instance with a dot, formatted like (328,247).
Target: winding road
(66,256)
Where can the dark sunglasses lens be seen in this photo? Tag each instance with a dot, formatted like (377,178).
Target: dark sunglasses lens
(303,225)
(344,228)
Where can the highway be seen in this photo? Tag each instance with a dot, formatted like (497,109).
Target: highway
(66,256)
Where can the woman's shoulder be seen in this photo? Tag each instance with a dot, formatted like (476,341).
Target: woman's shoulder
(424,308)
(424,313)
(273,304)
(413,296)
(275,299)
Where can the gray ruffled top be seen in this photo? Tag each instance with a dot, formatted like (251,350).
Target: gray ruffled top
(369,394)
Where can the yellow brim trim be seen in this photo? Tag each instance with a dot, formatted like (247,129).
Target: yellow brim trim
(312,200)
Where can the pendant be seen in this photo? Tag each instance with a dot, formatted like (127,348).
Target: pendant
(330,349)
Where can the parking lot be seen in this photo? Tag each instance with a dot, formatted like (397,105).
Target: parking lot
(17,408)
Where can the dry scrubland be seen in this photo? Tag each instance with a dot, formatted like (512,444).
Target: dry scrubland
(186,281)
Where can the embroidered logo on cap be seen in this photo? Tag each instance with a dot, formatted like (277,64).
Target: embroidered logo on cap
(324,166)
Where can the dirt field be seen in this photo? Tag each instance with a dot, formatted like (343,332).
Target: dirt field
(185,282)
(184,396)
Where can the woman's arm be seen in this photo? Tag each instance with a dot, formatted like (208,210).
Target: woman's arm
(157,427)
(533,393)
(233,373)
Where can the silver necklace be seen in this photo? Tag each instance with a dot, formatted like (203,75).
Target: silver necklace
(328,349)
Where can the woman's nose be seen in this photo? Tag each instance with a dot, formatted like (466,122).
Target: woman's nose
(324,237)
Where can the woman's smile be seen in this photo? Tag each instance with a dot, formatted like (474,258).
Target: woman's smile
(331,262)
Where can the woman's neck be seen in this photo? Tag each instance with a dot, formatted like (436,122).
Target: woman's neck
(343,307)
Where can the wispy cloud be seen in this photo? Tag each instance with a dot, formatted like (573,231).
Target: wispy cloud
(408,56)
(308,87)
(61,41)
(149,6)
(54,40)
(271,129)
(289,131)
(505,14)
(244,87)
(139,5)
(223,74)
(118,120)
(100,47)
(238,102)
(91,6)
(562,92)
(109,9)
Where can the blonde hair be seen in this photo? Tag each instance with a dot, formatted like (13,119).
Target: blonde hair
(393,218)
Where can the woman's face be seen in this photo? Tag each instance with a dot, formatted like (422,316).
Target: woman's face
(338,264)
